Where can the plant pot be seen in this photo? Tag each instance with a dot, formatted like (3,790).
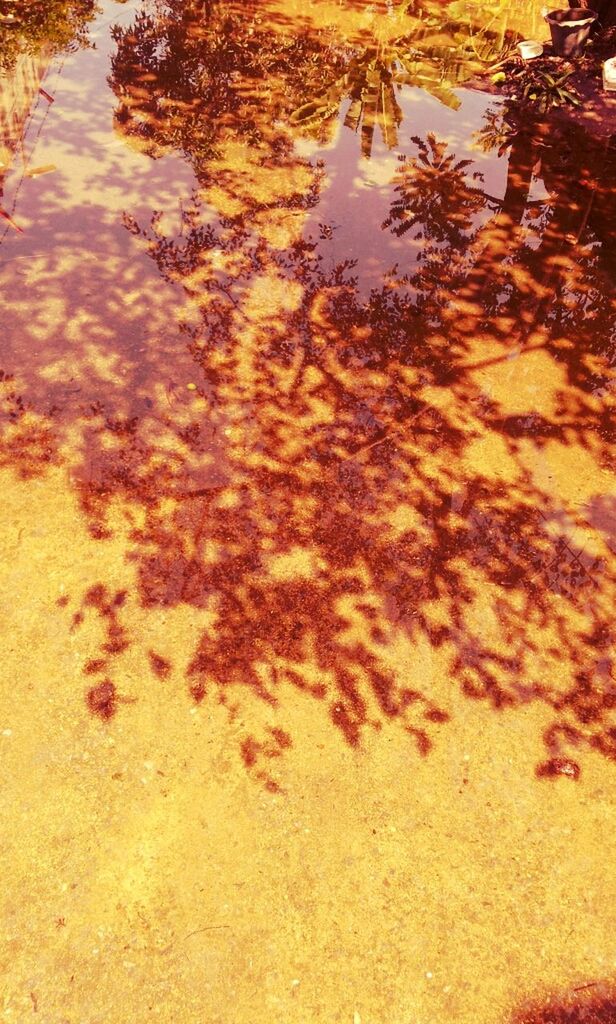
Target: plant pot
(570,30)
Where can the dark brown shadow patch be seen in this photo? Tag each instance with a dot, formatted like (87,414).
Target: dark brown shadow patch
(102,700)
(160,666)
(590,1003)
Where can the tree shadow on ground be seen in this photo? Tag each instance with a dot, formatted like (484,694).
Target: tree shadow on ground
(594,1003)
(354,474)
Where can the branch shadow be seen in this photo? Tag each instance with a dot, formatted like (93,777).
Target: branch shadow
(297,458)
(594,1003)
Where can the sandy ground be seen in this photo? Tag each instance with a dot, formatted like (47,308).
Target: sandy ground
(147,875)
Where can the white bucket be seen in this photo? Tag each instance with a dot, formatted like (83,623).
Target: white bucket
(609,75)
(530,48)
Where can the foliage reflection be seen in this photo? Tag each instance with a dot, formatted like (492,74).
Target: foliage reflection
(364,484)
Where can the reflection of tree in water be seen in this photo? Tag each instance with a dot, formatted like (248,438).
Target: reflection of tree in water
(370,82)
(566,241)
(434,49)
(185,72)
(55,25)
(425,185)
(338,513)
(375,74)
(345,515)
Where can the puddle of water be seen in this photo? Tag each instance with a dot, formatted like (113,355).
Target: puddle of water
(321,327)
